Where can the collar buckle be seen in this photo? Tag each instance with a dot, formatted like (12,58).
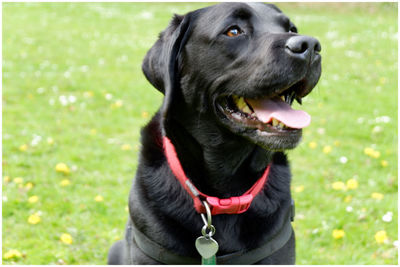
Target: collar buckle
(232,205)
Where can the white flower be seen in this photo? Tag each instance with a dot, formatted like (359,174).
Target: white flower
(349,209)
(146,15)
(63,100)
(377,129)
(72,98)
(321,131)
(383,119)
(343,160)
(36,140)
(387,217)
(67,74)
(84,68)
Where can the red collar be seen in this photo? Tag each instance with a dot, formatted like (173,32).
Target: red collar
(232,205)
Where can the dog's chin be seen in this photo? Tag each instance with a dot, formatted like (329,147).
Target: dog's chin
(241,119)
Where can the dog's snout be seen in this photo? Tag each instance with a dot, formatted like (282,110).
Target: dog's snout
(302,46)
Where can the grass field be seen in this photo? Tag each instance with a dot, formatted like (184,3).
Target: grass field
(73,93)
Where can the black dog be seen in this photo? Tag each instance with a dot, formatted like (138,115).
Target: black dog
(229,73)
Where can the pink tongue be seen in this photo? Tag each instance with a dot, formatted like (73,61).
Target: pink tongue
(266,109)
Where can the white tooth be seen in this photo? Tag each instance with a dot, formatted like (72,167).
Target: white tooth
(274,122)
(283,98)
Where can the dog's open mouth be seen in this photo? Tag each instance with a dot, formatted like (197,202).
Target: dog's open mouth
(265,114)
(270,121)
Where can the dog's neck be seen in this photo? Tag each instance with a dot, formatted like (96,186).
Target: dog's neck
(218,162)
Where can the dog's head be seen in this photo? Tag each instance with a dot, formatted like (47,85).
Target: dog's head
(237,66)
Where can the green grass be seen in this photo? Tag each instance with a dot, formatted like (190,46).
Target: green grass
(90,50)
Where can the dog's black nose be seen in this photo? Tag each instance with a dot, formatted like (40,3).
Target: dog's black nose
(302,46)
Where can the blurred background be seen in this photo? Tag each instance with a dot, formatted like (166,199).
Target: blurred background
(74,100)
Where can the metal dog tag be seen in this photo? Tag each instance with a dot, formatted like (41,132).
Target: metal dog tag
(206,246)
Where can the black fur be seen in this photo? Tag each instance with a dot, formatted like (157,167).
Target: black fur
(193,64)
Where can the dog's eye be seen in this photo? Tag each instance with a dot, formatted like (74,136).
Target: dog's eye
(234,31)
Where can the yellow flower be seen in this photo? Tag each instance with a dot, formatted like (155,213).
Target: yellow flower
(299,189)
(23,147)
(368,151)
(93,131)
(65,182)
(66,239)
(338,233)
(377,196)
(312,145)
(50,141)
(352,184)
(88,94)
(381,237)
(145,114)
(29,186)
(372,153)
(126,147)
(117,104)
(18,180)
(6,179)
(338,185)
(12,253)
(34,219)
(63,168)
(376,154)
(98,198)
(384,163)
(336,143)
(347,199)
(327,149)
(33,199)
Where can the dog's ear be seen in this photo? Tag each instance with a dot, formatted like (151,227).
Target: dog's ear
(160,64)
(157,59)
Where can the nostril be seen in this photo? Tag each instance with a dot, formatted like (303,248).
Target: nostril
(317,47)
(304,47)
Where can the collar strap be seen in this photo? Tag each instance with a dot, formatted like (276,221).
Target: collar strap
(232,205)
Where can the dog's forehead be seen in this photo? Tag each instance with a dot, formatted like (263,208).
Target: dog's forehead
(267,14)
